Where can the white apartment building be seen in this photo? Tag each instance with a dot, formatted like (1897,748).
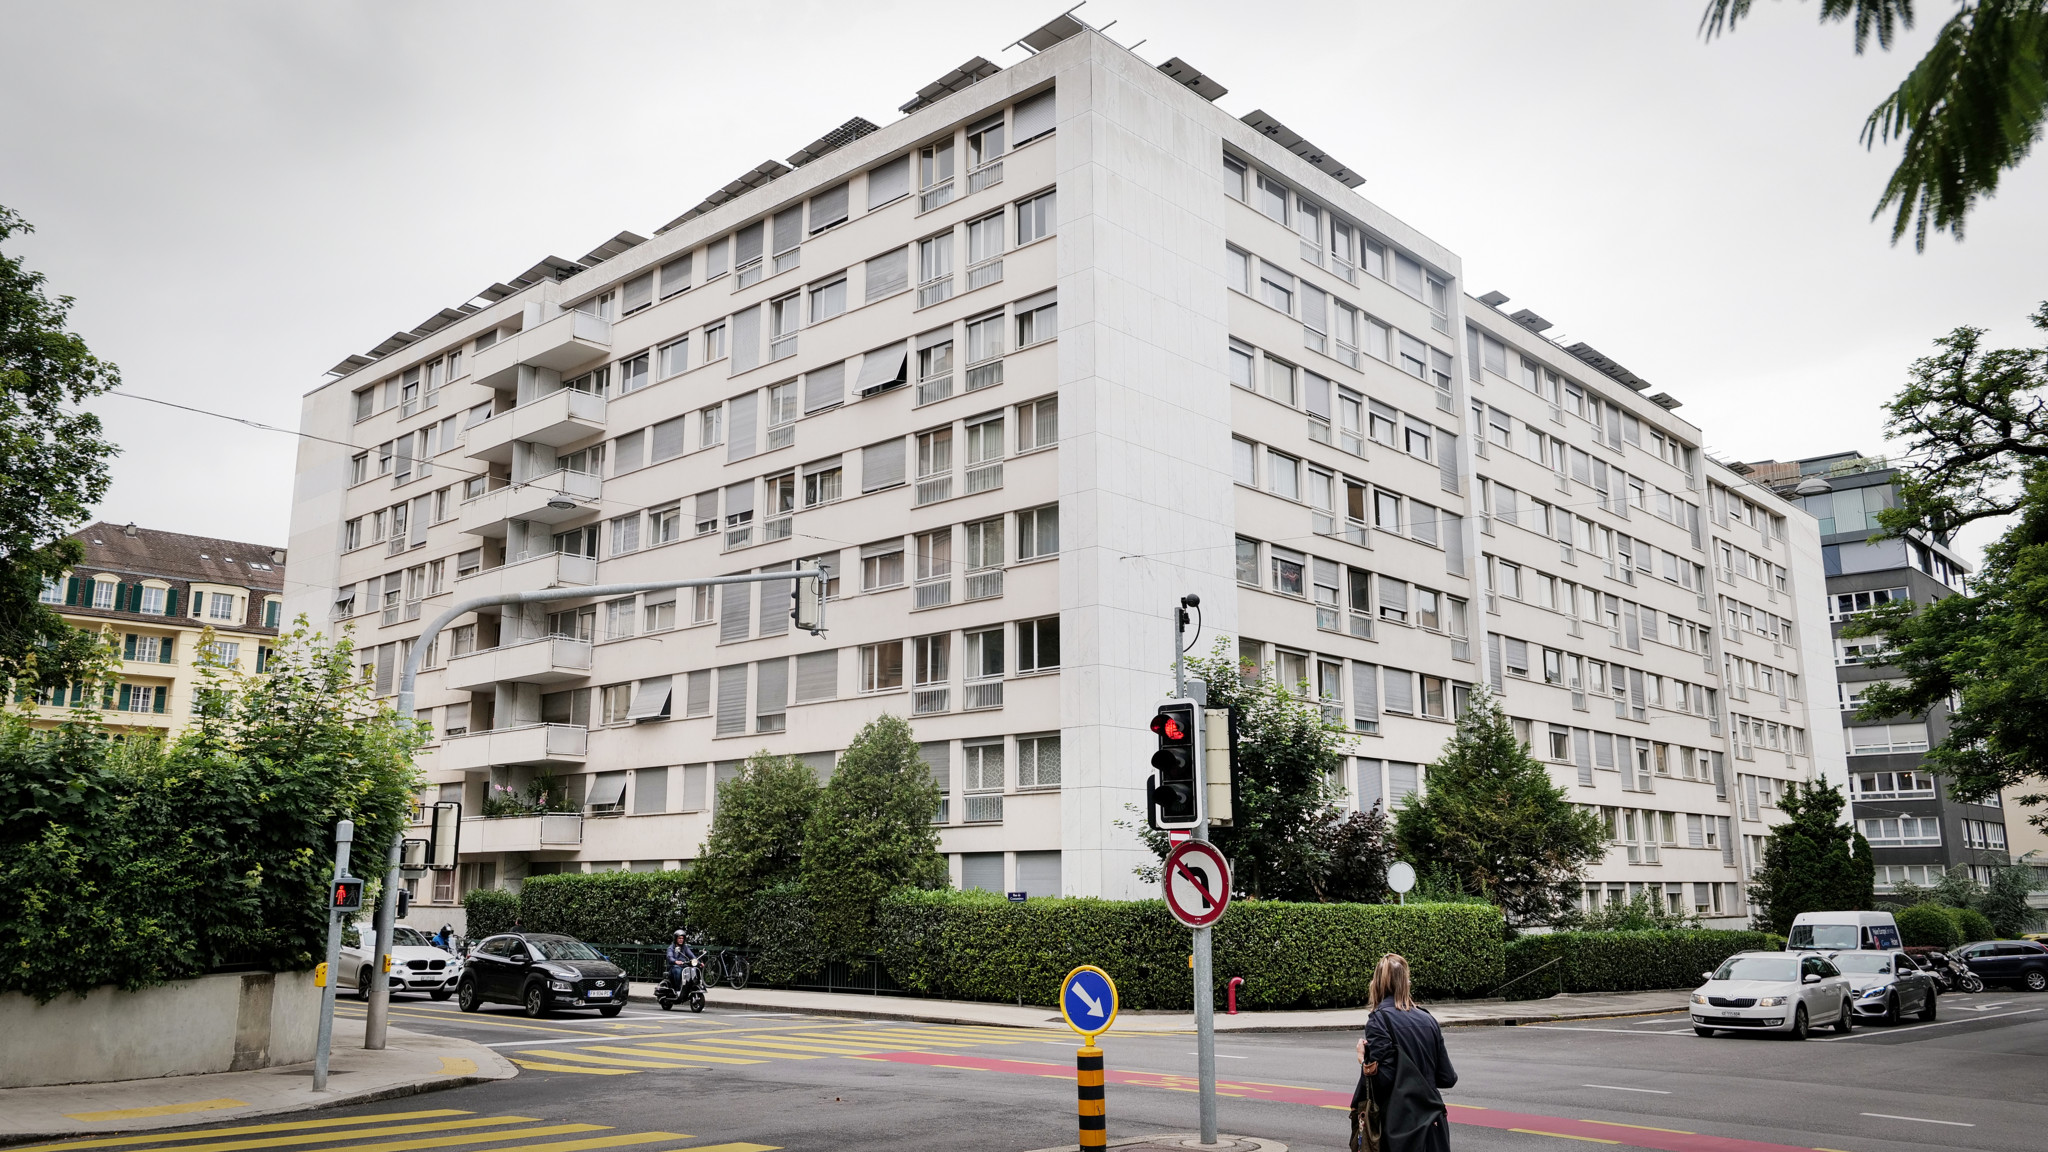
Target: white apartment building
(1062,344)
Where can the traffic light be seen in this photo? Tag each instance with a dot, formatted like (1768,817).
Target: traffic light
(1176,792)
(807,606)
(1219,763)
(404,903)
(348,894)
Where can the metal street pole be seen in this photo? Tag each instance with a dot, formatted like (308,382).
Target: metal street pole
(378,1018)
(1205,989)
(344,834)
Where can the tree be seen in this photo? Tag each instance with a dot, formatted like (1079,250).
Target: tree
(2002,903)
(870,834)
(1976,429)
(1968,112)
(1813,862)
(757,842)
(53,467)
(1490,815)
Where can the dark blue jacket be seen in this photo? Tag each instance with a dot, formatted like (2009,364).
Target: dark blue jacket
(1413,1069)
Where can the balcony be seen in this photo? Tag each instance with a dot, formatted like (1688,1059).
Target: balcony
(550,831)
(530,574)
(551,498)
(547,660)
(538,745)
(570,341)
(558,419)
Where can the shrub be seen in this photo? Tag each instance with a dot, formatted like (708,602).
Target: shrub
(605,907)
(784,935)
(979,946)
(756,843)
(1973,925)
(1928,925)
(489,911)
(1556,962)
(870,834)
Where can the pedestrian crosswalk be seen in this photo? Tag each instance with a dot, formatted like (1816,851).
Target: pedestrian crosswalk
(623,1056)
(412,1131)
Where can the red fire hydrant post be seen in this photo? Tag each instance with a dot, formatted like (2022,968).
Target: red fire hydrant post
(1234,982)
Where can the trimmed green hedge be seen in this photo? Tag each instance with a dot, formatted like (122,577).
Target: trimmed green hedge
(1974,925)
(980,946)
(612,907)
(1928,925)
(1540,966)
(489,911)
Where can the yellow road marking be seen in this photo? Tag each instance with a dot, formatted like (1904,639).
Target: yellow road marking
(906,1041)
(643,1051)
(580,1058)
(457,1066)
(731,1050)
(160,1110)
(776,1047)
(242,1130)
(598,1142)
(735,1148)
(466,1138)
(537,1066)
(1644,1127)
(1564,1136)
(387,1130)
(493,1021)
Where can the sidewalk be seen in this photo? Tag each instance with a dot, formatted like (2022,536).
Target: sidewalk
(1453,1013)
(414,1062)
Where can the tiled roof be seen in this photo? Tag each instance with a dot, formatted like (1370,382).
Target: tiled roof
(175,556)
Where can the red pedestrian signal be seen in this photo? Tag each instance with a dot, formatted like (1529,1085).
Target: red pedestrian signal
(348,894)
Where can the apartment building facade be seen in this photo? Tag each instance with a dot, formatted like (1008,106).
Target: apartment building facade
(1916,831)
(1022,368)
(155,594)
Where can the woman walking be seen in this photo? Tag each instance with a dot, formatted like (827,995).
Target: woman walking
(1403,1065)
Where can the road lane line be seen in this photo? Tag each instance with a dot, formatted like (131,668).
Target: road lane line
(1619,1088)
(613,1061)
(1564,1136)
(649,1050)
(1923,1027)
(1571,1028)
(1641,1127)
(1916,1119)
(243,1130)
(538,1066)
(386,1130)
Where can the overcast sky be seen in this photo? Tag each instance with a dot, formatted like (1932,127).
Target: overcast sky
(239,195)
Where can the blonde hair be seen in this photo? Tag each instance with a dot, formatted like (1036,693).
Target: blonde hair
(1390,982)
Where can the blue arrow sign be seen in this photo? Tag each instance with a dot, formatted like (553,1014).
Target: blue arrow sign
(1088,1000)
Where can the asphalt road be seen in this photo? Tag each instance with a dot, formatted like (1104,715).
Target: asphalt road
(740,1081)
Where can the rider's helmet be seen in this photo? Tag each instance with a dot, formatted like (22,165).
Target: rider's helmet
(681,933)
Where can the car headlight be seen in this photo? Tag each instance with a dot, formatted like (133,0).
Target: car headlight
(1867,993)
(561,986)
(1770,1002)
(1699,998)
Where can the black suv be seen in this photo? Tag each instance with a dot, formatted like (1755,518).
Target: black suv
(2020,962)
(541,972)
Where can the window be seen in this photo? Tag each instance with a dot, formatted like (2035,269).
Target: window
(1038,532)
(1036,218)
(935,174)
(660,613)
(625,534)
(1881,739)
(1247,561)
(1276,288)
(934,269)
(822,482)
(881,565)
(633,374)
(1286,473)
(881,666)
(219,606)
(1847,604)
(1037,319)
(711,427)
(1038,644)
(984,251)
(1280,381)
(784,318)
(1238,269)
(1038,761)
(1287,571)
(1271,198)
(1242,366)
(984,651)
(1038,424)
(1386,510)
(1244,462)
(675,357)
(1904,832)
(1234,177)
(153,599)
(828,299)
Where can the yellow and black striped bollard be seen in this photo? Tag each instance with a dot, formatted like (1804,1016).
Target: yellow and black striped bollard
(1094,1105)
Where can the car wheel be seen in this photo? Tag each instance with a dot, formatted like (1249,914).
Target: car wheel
(611,1010)
(1891,1010)
(1927,1010)
(536,1001)
(1845,1023)
(466,997)
(1699,1031)
(439,994)
(363,981)
(1799,1023)
(2036,980)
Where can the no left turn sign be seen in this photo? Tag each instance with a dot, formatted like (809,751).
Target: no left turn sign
(1197,882)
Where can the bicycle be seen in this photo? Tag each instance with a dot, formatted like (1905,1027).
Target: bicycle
(727,964)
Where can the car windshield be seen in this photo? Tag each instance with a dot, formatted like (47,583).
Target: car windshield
(1822,936)
(1782,969)
(1873,963)
(559,948)
(402,937)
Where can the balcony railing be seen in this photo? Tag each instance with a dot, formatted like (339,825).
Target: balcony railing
(984,585)
(984,375)
(927,701)
(935,389)
(935,489)
(978,695)
(934,291)
(934,593)
(935,196)
(985,477)
(985,176)
(984,274)
(985,808)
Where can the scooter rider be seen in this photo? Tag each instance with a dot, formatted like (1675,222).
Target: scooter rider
(680,956)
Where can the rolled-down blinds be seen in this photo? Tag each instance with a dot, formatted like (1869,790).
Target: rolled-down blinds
(675,275)
(1582,754)
(1399,689)
(1365,691)
(888,182)
(732,695)
(1372,788)
(650,699)
(1034,117)
(746,339)
(817,676)
(888,274)
(828,207)
(667,439)
(771,687)
(789,228)
(824,387)
(775,605)
(732,613)
(638,293)
(881,465)
(1403,780)
(882,368)
(742,412)
(747,245)
(938,756)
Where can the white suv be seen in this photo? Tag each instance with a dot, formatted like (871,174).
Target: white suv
(1786,992)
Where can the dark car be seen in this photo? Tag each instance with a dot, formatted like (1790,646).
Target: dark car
(2020,962)
(541,972)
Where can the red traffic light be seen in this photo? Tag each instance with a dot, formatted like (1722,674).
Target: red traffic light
(1169,728)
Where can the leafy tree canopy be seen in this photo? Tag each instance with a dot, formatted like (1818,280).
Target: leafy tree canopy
(1967,113)
(757,842)
(53,466)
(1813,862)
(871,833)
(1490,816)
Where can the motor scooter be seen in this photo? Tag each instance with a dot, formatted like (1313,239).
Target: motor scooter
(692,990)
(1952,974)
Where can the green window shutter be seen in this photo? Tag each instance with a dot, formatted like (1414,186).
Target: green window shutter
(166,653)
(71,590)
(158,705)
(126,693)
(171,602)
(128,647)
(77,691)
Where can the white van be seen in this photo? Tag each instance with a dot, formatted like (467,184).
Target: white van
(1842,932)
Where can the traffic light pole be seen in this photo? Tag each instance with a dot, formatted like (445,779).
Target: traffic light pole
(344,835)
(377,1019)
(1205,985)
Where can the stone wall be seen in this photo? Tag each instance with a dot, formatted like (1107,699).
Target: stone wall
(222,1023)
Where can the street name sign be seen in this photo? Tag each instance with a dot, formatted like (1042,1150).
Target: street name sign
(1197,883)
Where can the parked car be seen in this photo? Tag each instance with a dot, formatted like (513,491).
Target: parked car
(1886,984)
(1787,992)
(1843,931)
(416,964)
(540,972)
(2019,962)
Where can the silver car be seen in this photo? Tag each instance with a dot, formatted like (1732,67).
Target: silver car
(1887,985)
(1787,992)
